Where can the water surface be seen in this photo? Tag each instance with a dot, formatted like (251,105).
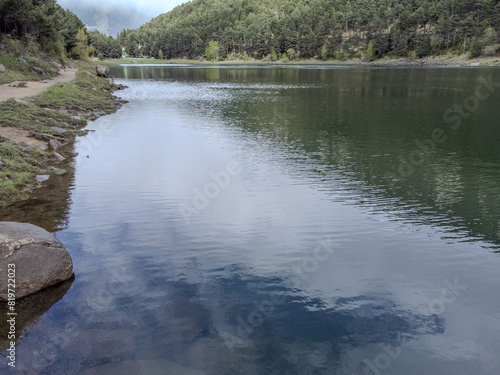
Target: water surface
(242,220)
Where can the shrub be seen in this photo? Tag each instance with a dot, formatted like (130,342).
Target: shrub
(412,55)
(291,53)
(475,50)
(370,55)
(274,57)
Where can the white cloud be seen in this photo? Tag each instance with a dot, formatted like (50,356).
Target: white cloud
(149,7)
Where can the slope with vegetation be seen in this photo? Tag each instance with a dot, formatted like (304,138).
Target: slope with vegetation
(325,29)
(37,38)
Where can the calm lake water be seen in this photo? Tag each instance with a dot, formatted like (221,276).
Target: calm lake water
(277,220)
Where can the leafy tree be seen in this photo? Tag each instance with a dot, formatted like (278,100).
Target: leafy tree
(324,52)
(370,55)
(160,54)
(212,51)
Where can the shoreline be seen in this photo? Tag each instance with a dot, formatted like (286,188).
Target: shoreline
(439,61)
(37,131)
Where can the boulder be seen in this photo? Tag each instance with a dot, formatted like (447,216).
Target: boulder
(2,164)
(58,129)
(40,259)
(2,68)
(38,70)
(59,158)
(103,71)
(19,101)
(54,144)
(142,366)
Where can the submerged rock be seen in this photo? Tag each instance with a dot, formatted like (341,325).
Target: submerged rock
(39,258)
(142,366)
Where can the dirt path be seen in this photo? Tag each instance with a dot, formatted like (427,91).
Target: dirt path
(34,88)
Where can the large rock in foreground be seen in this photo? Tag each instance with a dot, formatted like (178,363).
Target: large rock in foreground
(40,259)
(103,71)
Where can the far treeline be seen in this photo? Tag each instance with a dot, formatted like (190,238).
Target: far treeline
(340,29)
(44,23)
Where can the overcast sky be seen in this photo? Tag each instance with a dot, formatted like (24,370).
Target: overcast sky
(149,7)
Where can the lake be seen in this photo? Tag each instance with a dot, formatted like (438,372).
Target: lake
(277,220)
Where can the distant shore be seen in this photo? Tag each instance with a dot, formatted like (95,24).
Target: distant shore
(459,61)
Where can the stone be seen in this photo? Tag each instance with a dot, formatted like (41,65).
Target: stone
(142,366)
(19,101)
(37,70)
(118,105)
(58,129)
(59,157)
(76,118)
(15,84)
(110,81)
(22,61)
(25,145)
(42,177)
(97,346)
(56,64)
(474,64)
(54,144)
(103,71)
(2,165)
(2,68)
(39,258)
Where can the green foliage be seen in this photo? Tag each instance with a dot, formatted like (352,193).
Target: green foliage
(41,23)
(490,37)
(412,55)
(274,57)
(370,55)
(476,49)
(284,56)
(290,52)
(324,52)
(105,46)
(212,51)
(160,54)
(335,28)
(81,50)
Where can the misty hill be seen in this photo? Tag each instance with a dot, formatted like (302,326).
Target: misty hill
(323,28)
(107,19)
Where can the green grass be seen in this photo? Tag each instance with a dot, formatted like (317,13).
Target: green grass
(17,177)
(20,71)
(88,97)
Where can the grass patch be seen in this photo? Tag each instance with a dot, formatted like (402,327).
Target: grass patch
(65,105)
(17,176)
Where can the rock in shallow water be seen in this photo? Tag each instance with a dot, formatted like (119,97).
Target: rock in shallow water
(40,259)
(145,366)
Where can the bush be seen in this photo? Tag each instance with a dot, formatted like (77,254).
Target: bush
(212,51)
(324,52)
(491,50)
(370,55)
(284,56)
(475,50)
(291,53)
(274,57)
(412,55)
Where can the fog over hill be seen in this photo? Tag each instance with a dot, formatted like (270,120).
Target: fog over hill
(106,17)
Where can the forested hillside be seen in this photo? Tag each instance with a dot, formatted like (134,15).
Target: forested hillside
(322,28)
(43,22)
